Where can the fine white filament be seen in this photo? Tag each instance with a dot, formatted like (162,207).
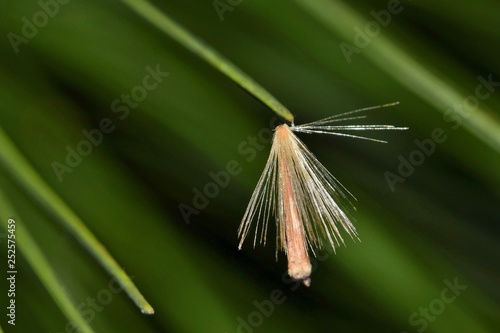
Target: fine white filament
(320,199)
(307,201)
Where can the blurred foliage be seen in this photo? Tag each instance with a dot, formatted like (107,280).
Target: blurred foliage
(440,224)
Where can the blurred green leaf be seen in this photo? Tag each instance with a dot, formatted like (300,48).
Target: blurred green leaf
(40,265)
(18,168)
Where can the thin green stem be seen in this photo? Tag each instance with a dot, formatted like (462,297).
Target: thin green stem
(40,265)
(21,171)
(163,22)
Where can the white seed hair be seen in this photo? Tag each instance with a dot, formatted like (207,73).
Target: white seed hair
(321,201)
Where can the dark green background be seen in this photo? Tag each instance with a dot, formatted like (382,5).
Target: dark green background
(440,224)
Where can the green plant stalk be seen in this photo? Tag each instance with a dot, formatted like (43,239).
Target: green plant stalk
(163,22)
(19,168)
(340,19)
(40,265)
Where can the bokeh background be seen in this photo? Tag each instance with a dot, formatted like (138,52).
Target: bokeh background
(438,227)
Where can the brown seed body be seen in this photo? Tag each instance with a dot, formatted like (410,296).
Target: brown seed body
(299,265)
